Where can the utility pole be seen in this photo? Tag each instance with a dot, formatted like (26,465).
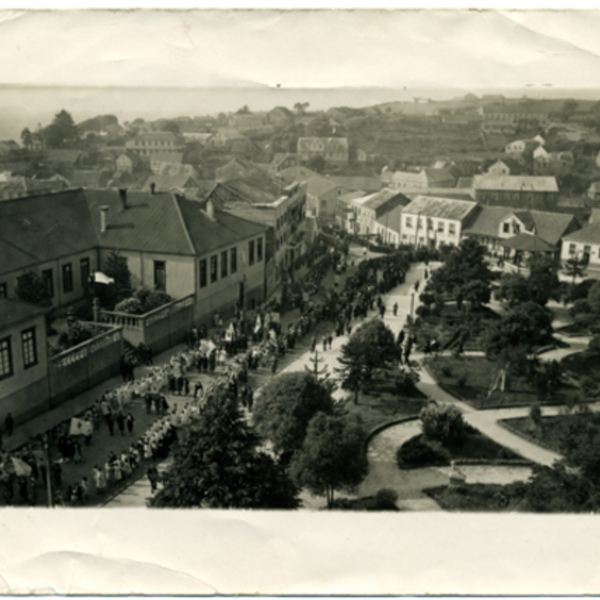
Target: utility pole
(48,470)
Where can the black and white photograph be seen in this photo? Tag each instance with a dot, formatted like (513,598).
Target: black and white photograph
(317,266)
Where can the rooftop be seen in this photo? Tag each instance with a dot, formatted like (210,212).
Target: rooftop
(590,234)
(515,183)
(442,208)
(14,311)
(157,136)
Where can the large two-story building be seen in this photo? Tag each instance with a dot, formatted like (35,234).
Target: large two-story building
(148,144)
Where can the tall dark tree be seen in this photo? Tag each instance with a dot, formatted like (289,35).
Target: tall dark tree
(543,283)
(513,289)
(370,347)
(61,131)
(26,138)
(117,268)
(217,463)
(332,456)
(285,406)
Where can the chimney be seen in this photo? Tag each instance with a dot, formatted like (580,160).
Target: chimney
(210,210)
(123,196)
(153,188)
(103,211)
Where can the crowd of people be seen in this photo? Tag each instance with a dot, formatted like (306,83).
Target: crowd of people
(247,343)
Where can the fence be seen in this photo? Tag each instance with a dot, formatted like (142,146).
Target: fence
(82,367)
(160,328)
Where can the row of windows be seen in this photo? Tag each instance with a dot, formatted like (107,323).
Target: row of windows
(441,226)
(587,250)
(67,278)
(153,143)
(209,269)
(29,349)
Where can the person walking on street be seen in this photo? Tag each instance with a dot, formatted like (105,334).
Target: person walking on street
(152,474)
(395,309)
(129,420)
(121,422)
(110,422)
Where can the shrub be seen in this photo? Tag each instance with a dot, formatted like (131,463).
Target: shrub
(385,499)
(447,371)
(461,380)
(419,452)
(443,423)
(423,311)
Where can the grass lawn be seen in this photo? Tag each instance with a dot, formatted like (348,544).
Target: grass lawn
(476,446)
(446,326)
(552,428)
(383,404)
(480,497)
(471,377)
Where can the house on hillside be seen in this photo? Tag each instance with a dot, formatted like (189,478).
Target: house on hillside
(421,179)
(165,160)
(433,222)
(150,143)
(505,166)
(527,192)
(333,150)
(523,114)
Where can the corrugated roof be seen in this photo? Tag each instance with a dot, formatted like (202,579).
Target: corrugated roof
(515,183)
(42,228)
(14,311)
(386,197)
(442,208)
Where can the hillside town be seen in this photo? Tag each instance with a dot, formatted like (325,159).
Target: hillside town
(382,308)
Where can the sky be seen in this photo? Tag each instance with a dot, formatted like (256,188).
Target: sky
(83,60)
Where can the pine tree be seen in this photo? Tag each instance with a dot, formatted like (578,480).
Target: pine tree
(116,267)
(321,374)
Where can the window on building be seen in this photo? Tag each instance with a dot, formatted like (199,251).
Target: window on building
(440,227)
(29,349)
(505,227)
(452,228)
(224,264)
(48,280)
(84,265)
(259,249)
(160,275)
(67,276)
(233,265)
(408,222)
(3,290)
(251,252)
(572,249)
(213,268)
(203,280)
(6,365)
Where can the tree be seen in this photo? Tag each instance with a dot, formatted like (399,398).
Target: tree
(244,110)
(370,347)
(475,293)
(284,408)
(117,268)
(332,456)
(61,130)
(319,126)
(217,464)
(171,126)
(574,268)
(513,289)
(543,282)
(26,138)
(443,423)
(31,288)
(317,163)
(568,109)
(321,373)
(300,107)
(463,265)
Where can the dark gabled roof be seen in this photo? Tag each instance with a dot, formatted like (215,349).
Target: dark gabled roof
(551,226)
(150,223)
(385,201)
(526,218)
(487,219)
(14,311)
(208,234)
(42,228)
(590,234)
(528,242)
